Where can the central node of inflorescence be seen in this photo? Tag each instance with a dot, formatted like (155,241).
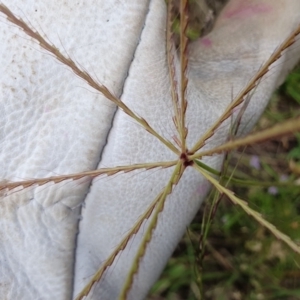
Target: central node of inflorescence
(186,161)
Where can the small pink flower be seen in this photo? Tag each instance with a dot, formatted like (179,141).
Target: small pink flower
(255,162)
(284,178)
(272,190)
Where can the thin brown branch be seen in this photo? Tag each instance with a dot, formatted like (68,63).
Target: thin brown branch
(82,74)
(178,171)
(287,127)
(183,71)
(254,214)
(171,64)
(91,174)
(122,245)
(249,87)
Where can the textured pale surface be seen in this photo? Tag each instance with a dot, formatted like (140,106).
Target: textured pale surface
(53,123)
